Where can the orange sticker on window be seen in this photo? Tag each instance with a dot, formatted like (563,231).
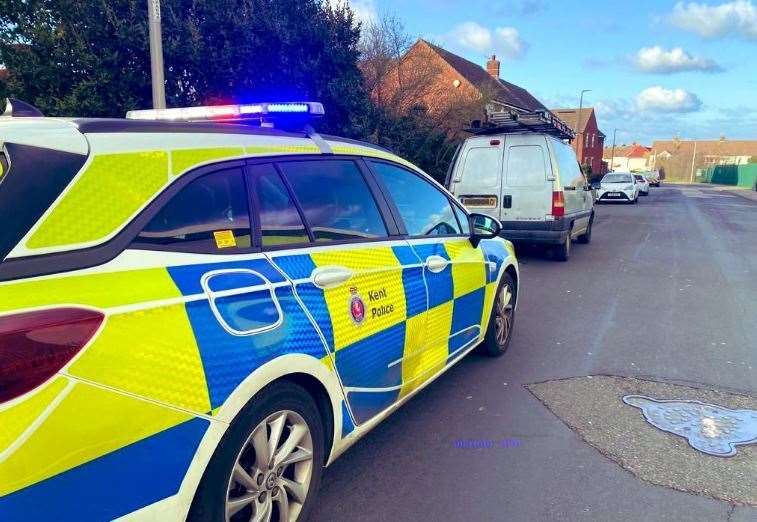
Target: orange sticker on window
(225,238)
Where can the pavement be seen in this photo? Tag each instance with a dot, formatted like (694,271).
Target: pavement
(661,302)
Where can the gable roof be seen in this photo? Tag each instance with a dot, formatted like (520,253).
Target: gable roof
(707,147)
(500,90)
(627,151)
(570,117)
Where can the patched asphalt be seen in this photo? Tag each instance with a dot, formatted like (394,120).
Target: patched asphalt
(667,293)
(620,432)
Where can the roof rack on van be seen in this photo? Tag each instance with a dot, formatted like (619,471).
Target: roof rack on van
(543,122)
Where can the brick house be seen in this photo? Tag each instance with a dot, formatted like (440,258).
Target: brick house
(450,88)
(589,139)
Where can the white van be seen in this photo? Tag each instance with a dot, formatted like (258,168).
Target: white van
(531,182)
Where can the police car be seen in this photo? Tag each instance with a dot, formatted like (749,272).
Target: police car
(201,308)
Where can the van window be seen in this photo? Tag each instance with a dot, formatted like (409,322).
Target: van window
(208,215)
(425,210)
(335,199)
(570,173)
(280,222)
(482,165)
(525,166)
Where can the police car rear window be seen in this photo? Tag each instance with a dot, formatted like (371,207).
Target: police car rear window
(208,215)
(336,201)
(280,222)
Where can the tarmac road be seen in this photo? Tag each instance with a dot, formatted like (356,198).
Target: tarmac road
(667,292)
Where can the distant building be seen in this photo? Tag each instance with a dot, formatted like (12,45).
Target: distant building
(589,139)
(631,158)
(449,87)
(709,152)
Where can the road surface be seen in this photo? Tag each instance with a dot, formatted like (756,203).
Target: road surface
(666,292)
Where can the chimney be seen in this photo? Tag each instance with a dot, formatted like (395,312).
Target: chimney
(492,66)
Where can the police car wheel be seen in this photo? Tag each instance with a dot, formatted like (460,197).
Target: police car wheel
(268,466)
(502,320)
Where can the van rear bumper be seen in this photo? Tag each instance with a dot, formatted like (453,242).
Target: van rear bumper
(549,232)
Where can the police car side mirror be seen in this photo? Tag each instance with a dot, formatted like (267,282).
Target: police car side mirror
(483,227)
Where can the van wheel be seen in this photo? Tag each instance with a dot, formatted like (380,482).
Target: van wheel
(269,463)
(585,238)
(562,251)
(502,320)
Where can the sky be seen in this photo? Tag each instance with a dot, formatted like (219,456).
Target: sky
(656,69)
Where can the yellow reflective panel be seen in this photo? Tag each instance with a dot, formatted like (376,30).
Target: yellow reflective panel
(151,353)
(282,149)
(377,281)
(468,268)
(97,290)
(182,160)
(371,152)
(103,198)
(422,363)
(89,423)
(16,419)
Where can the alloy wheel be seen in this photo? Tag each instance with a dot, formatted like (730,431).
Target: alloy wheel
(272,472)
(503,319)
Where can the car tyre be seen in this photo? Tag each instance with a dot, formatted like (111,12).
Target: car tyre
(284,408)
(562,251)
(585,238)
(502,319)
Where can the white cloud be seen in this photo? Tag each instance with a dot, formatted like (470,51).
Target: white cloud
(659,99)
(658,60)
(504,41)
(738,17)
(509,43)
(365,10)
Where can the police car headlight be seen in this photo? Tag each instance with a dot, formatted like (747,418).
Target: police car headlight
(629,187)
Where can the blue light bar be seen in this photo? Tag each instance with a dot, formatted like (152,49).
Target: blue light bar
(229,112)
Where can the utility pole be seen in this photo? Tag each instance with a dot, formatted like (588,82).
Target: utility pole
(693,157)
(156,55)
(612,154)
(578,127)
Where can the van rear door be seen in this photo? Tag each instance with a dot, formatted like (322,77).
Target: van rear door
(527,188)
(477,176)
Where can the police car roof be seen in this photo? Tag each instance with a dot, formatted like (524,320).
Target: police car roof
(123,125)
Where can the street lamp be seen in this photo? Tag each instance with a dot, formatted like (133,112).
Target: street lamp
(156,55)
(578,119)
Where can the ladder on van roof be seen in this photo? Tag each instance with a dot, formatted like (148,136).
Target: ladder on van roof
(511,122)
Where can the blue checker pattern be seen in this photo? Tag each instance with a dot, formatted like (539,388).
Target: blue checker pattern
(412,280)
(440,286)
(494,252)
(187,277)
(347,425)
(365,363)
(113,485)
(366,405)
(228,359)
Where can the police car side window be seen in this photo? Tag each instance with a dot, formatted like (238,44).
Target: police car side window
(280,221)
(210,214)
(425,210)
(336,201)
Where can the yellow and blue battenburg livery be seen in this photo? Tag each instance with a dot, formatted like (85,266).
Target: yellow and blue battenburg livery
(123,366)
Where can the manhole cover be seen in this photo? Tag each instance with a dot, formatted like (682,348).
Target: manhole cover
(709,428)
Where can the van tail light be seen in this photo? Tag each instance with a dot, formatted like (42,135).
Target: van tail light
(34,346)
(558,203)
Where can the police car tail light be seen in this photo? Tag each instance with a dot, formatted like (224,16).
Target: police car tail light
(558,203)
(250,111)
(34,346)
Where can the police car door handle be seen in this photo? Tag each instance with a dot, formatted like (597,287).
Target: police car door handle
(330,276)
(436,264)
